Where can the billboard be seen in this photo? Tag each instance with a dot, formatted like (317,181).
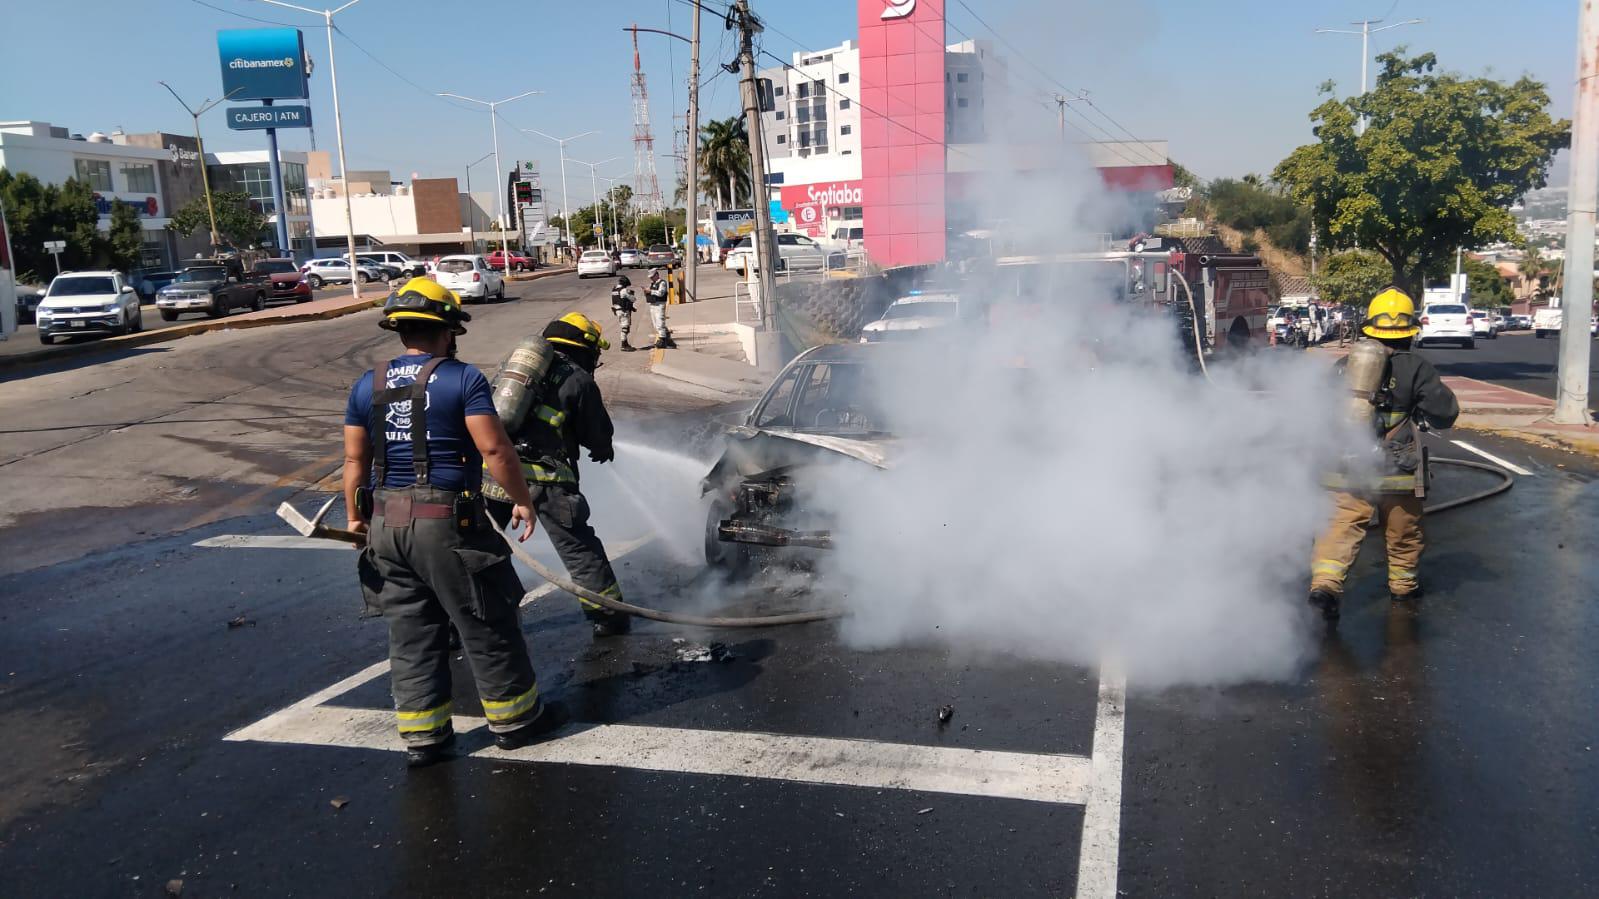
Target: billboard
(262,64)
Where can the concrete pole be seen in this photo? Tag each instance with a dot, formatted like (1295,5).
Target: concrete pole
(344,167)
(279,197)
(691,255)
(499,193)
(205,183)
(763,244)
(1571,398)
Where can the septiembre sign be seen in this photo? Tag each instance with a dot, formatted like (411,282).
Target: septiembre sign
(262,64)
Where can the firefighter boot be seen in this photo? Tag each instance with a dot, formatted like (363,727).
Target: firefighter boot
(628,347)
(432,753)
(549,717)
(1406,597)
(612,624)
(1327,602)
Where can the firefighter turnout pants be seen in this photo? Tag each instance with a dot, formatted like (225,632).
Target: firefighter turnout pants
(563,513)
(1336,549)
(423,574)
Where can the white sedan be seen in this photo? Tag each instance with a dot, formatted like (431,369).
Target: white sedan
(471,277)
(912,315)
(595,262)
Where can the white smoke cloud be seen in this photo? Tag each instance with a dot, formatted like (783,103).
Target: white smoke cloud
(1068,489)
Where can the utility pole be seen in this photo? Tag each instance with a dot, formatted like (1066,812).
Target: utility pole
(199,146)
(499,170)
(763,244)
(471,206)
(566,209)
(1571,395)
(594,189)
(338,128)
(691,255)
(1365,32)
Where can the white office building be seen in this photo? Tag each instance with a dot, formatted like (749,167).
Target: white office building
(116,171)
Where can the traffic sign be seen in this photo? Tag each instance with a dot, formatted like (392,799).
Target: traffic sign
(255,118)
(54,246)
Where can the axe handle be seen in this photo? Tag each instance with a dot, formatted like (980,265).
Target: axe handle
(340,534)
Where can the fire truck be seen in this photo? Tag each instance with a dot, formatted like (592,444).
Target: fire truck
(1220,300)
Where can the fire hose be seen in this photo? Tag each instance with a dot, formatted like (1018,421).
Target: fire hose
(1506,479)
(628,608)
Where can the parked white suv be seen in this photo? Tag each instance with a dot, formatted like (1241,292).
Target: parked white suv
(399,262)
(336,271)
(88,303)
(471,277)
(1447,323)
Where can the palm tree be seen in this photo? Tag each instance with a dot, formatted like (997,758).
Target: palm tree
(725,161)
(1533,265)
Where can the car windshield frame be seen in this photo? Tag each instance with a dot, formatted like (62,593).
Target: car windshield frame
(449,266)
(1445,309)
(940,309)
(201,275)
(106,285)
(595,255)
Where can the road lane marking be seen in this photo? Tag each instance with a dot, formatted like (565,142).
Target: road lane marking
(817,760)
(1509,466)
(269,541)
(1099,854)
(1094,782)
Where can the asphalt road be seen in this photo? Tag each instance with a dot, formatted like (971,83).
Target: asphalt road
(218,714)
(26,338)
(1516,359)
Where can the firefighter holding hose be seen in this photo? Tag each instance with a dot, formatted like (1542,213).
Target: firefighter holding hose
(551,406)
(1393,393)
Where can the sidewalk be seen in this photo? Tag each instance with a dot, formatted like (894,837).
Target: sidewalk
(1516,413)
(709,353)
(325,308)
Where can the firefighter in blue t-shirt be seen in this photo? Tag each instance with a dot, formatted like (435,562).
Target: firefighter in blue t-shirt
(415,446)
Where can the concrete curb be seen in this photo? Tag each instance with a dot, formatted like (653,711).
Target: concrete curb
(226,323)
(711,372)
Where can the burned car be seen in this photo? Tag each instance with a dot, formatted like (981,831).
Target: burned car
(820,410)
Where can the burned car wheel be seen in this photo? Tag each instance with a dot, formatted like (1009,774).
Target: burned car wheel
(720,555)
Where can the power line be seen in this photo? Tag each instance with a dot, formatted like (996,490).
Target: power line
(392,71)
(243,16)
(1016,51)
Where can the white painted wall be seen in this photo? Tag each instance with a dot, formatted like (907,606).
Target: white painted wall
(52,160)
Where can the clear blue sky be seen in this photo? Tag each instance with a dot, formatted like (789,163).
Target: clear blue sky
(1228,84)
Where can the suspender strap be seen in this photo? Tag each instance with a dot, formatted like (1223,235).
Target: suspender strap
(416,393)
(374,427)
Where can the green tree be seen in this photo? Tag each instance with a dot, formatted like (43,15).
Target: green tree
(1442,159)
(37,212)
(1250,203)
(1353,277)
(725,162)
(124,245)
(651,229)
(1485,286)
(238,221)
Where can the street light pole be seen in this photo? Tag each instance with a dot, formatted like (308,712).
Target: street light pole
(1365,32)
(338,130)
(594,186)
(692,189)
(471,207)
(499,193)
(561,142)
(1571,392)
(199,146)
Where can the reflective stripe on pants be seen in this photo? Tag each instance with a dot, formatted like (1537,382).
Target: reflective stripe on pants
(1339,545)
(428,719)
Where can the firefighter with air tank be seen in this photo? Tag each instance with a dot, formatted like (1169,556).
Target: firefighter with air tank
(551,406)
(1394,393)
